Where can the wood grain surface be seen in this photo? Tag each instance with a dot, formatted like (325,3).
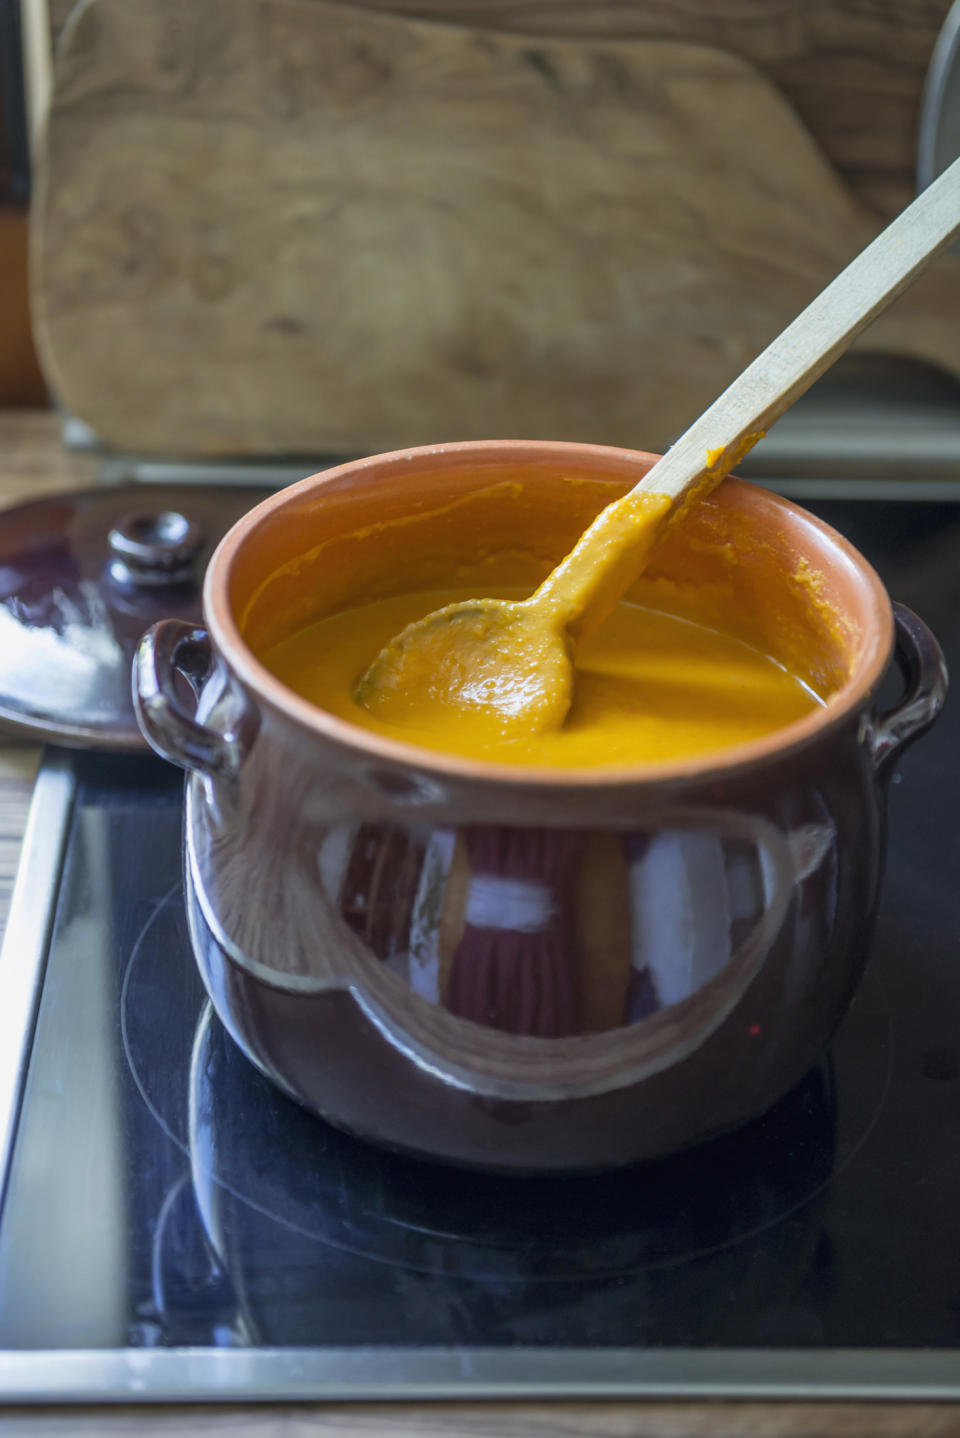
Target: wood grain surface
(30,457)
(853,69)
(291,225)
(33,461)
(18,769)
(498,1420)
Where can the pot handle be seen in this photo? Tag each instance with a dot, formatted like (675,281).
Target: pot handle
(921,662)
(175,647)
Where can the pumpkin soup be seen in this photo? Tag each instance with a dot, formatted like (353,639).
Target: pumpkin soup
(650,687)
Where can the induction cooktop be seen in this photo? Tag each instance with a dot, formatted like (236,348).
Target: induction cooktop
(174,1227)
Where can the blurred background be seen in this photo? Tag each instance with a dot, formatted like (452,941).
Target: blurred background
(266,234)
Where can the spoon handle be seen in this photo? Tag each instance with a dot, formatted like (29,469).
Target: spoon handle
(611,553)
(723,434)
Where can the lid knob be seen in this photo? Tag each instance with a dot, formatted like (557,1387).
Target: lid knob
(154,549)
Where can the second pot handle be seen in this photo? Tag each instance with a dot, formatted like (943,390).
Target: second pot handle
(921,662)
(175,647)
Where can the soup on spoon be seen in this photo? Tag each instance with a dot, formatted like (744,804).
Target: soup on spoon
(505,666)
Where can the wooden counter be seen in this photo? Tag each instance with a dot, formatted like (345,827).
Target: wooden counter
(32,462)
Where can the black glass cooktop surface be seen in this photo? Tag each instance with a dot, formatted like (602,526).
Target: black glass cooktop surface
(166,1208)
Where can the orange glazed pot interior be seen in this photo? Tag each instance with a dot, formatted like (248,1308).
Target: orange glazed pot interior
(503,513)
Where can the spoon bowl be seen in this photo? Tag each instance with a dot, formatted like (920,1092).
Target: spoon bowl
(504,666)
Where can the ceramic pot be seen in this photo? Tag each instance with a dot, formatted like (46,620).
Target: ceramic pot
(521,968)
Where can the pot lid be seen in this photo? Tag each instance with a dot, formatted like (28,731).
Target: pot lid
(82,577)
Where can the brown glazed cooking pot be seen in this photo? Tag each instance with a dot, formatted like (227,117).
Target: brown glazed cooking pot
(511,967)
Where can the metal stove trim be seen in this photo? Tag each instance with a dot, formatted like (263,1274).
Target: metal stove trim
(378,1375)
(26,938)
(927,491)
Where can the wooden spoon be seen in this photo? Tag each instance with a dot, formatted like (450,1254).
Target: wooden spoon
(507,666)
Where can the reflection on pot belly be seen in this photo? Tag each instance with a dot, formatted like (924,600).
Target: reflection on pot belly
(518,997)
(552,933)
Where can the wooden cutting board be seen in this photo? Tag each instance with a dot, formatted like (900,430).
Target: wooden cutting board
(272,226)
(853,70)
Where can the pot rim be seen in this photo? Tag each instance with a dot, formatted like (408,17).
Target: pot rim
(777,744)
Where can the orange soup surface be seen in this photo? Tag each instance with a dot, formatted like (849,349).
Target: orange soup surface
(649,687)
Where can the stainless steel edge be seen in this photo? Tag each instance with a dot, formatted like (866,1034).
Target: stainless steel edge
(122,469)
(375,1375)
(938,118)
(932,491)
(884,427)
(27,934)
(934,465)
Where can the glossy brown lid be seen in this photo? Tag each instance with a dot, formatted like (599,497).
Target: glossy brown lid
(82,576)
